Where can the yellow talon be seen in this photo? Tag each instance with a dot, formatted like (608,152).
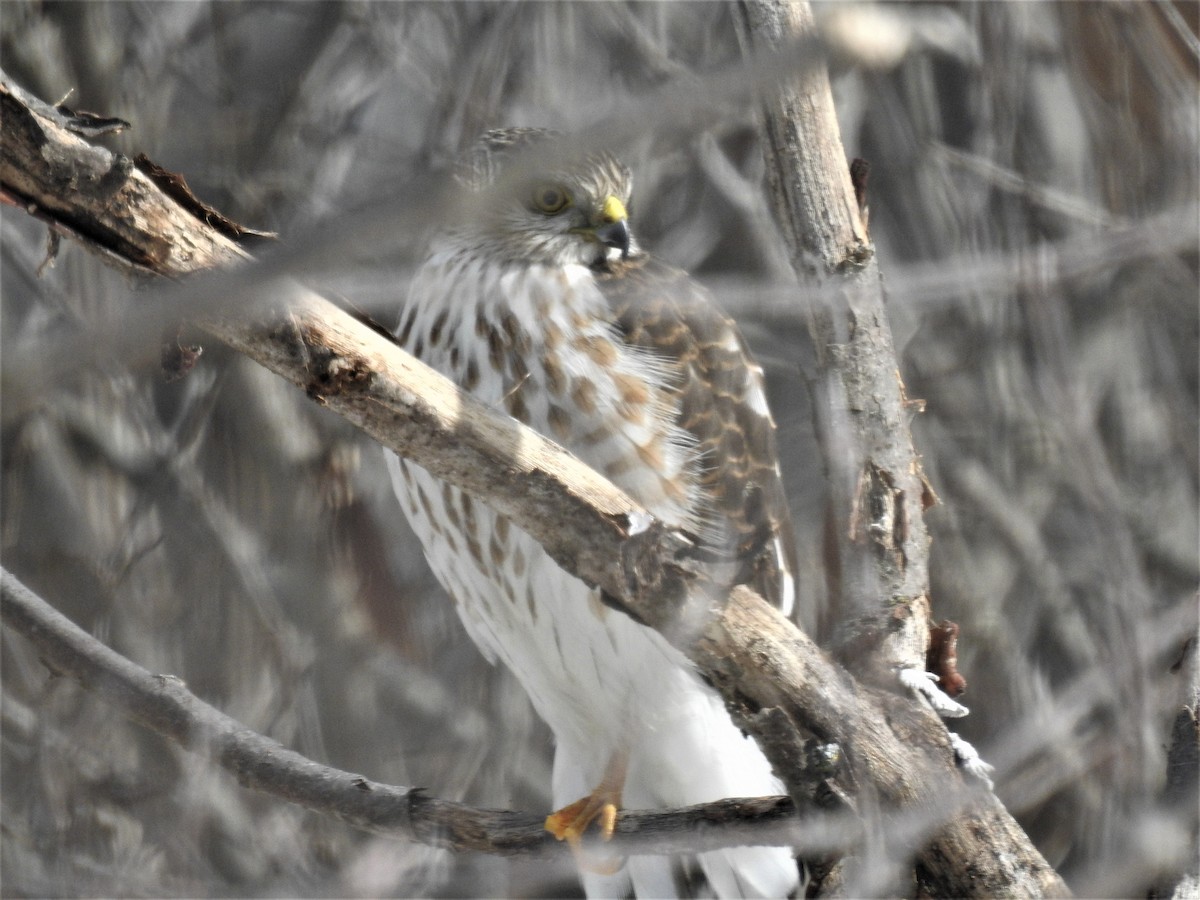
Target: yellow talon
(600,806)
(608,820)
(572,821)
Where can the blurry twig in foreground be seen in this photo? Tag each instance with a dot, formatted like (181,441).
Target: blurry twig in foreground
(947,281)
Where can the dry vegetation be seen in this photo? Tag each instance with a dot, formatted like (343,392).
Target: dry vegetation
(223,528)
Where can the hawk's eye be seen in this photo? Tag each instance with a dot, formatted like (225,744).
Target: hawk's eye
(550,199)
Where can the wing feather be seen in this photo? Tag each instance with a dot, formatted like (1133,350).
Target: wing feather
(722,402)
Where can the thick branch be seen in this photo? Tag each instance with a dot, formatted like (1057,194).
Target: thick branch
(758,661)
(880,576)
(142,230)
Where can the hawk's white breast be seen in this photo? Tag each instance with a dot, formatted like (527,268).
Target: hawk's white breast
(536,342)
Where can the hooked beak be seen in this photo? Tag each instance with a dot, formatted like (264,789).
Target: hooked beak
(615,234)
(613,230)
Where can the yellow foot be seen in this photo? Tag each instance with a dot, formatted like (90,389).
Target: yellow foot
(600,807)
(570,822)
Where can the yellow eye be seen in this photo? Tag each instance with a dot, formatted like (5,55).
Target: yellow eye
(550,199)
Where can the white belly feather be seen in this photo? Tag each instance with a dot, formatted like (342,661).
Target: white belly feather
(532,341)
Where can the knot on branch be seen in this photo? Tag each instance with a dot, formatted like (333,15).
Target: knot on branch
(330,372)
(666,584)
(854,257)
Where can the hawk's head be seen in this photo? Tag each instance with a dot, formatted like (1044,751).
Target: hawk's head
(537,205)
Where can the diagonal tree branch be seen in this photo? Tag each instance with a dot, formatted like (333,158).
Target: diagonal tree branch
(776,682)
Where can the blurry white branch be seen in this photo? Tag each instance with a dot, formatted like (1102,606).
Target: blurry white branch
(777,683)
(992,276)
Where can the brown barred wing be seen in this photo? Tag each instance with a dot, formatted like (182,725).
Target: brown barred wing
(723,404)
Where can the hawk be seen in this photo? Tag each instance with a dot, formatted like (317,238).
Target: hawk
(540,303)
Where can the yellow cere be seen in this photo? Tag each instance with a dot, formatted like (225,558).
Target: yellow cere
(614,210)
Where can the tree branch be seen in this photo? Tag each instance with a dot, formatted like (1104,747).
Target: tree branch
(897,752)
(164,704)
(880,568)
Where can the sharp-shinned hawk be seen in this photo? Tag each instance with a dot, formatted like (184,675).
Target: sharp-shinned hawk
(540,303)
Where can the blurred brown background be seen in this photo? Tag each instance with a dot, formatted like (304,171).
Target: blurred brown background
(225,529)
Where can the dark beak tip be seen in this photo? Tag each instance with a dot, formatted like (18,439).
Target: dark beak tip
(616,234)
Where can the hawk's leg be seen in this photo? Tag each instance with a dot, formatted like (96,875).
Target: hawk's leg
(600,806)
